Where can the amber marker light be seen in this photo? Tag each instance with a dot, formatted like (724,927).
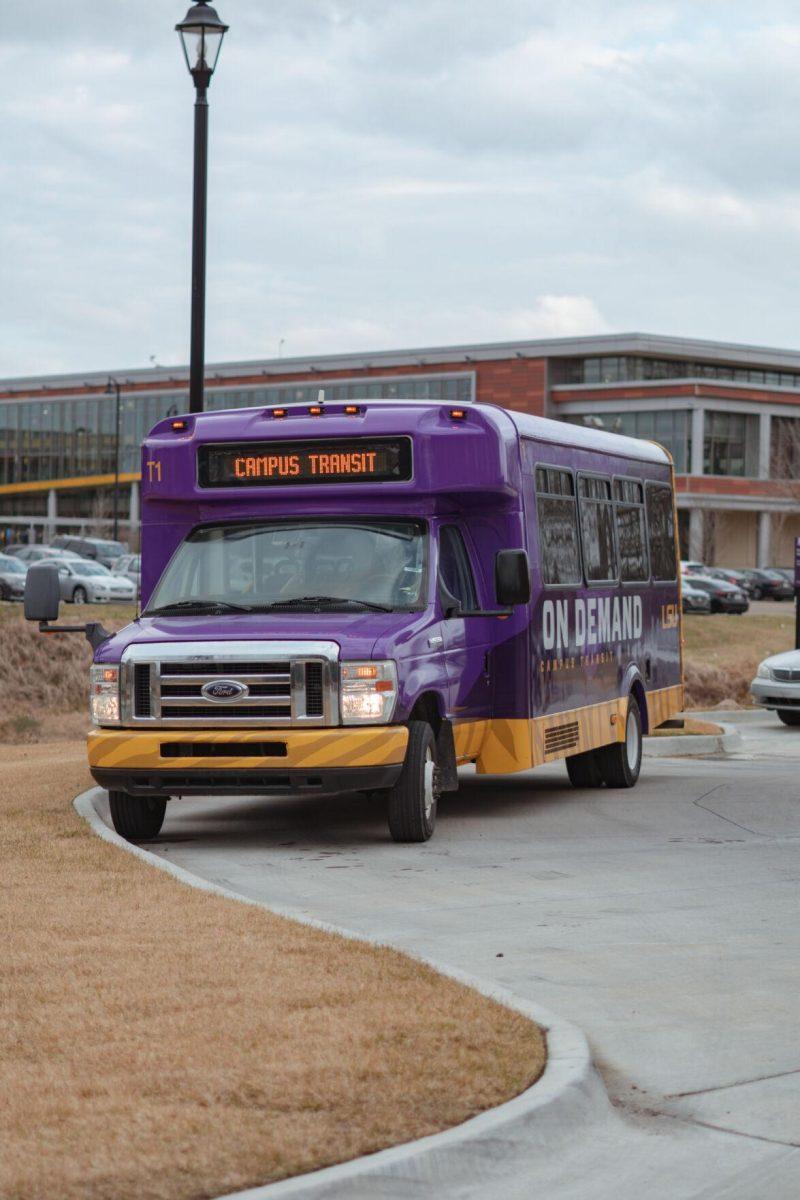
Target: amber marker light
(457,414)
(179,426)
(315,410)
(279,412)
(352,410)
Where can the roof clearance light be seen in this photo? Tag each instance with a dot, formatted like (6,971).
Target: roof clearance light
(179,426)
(279,412)
(315,410)
(352,410)
(457,414)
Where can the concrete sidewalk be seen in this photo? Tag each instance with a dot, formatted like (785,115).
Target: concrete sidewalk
(662,921)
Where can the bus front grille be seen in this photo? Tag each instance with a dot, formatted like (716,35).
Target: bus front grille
(228,689)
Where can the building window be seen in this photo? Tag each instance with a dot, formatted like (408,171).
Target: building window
(785,449)
(619,369)
(730,444)
(672,429)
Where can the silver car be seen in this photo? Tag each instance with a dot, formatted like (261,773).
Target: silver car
(777,686)
(129,565)
(84,582)
(12,578)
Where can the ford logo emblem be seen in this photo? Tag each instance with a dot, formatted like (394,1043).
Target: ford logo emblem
(223,691)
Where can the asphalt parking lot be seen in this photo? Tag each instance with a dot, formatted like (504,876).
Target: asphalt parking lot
(662,921)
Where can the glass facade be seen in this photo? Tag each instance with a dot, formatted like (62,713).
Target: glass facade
(671,429)
(74,437)
(730,444)
(631,368)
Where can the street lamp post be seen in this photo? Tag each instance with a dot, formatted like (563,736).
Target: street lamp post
(201,33)
(113,388)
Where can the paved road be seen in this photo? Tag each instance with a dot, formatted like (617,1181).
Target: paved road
(663,921)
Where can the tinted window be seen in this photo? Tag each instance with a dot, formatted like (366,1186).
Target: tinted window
(661,528)
(558,526)
(631,531)
(597,529)
(455,571)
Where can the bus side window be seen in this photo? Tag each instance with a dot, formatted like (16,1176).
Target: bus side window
(455,570)
(557,513)
(597,529)
(631,531)
(661,528)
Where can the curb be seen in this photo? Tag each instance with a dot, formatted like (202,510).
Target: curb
(568,1092)
(696,745)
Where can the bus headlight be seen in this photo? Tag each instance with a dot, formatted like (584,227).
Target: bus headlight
(369,692)
(104,694)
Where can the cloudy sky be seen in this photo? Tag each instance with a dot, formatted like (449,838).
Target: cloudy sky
(389,174)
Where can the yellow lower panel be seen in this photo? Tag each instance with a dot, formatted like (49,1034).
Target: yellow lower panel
(381,745)
(502,746)
(663,704)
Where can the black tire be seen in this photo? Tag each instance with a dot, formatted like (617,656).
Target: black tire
(757,594)
(584,770)
(621,762)
(3,591)
(79,596)
(413,799)
(788,716)
(137,818)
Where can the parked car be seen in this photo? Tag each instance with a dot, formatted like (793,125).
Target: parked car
(777,686)
(129,565)
(97,549)
(694,599)
(12,578)
(768,585)
(729,574)
(32,554)
(725,597)
(84,582)
(692,568)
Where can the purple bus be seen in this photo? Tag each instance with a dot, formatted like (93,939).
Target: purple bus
(366,596)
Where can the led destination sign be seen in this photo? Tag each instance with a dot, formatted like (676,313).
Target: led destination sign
(337,460)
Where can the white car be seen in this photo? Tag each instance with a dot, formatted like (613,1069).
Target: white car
(777,686)
(84,582)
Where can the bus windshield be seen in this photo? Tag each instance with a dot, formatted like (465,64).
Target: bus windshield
(296,565)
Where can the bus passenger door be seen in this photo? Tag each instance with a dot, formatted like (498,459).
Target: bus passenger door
(466,643)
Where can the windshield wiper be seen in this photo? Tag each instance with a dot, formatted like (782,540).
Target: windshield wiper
(315,601)
(197,607)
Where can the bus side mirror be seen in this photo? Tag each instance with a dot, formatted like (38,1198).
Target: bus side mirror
(42,593)
(512,577)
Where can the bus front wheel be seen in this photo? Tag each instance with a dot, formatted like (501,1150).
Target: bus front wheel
(413,799)
(621,762)
(137,818)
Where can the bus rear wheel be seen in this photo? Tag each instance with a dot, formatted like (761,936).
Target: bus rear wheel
(137,818)
(414,798)
(584,770)
(621,762)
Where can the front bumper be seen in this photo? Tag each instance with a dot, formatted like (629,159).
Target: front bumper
(770,694)
(247,761)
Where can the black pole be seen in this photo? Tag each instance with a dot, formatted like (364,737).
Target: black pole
(116,466)
(197,357)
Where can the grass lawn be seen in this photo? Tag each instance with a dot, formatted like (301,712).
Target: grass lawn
(160,1043)
(721,652)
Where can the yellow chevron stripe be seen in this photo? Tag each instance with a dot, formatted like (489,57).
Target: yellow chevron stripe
(141,748)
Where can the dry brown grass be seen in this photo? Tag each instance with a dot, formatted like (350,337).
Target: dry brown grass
(159,1042)
(722,652)
(49,675)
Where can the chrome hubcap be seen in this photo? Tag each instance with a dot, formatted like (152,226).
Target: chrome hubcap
(632,742)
